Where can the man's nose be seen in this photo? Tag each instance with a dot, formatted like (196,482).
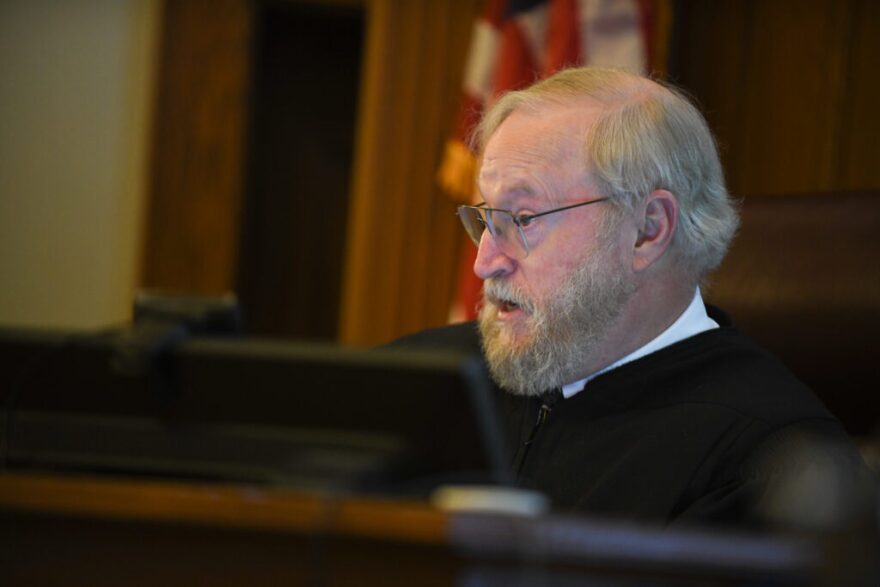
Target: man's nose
(491,260)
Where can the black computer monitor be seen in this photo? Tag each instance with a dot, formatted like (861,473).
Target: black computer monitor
(250,411)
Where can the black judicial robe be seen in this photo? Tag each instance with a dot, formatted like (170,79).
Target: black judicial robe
(710,429)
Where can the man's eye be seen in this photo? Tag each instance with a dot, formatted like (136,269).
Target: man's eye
(524,220)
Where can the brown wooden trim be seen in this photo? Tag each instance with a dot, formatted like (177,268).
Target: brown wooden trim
(198,146)
(225,505)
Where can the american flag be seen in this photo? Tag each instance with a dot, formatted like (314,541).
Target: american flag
(516,42)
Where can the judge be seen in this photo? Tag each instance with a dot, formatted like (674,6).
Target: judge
(604,209)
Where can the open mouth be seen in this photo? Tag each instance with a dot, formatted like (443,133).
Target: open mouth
(508,307)
(506,301)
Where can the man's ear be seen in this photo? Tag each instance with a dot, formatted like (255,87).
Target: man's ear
(657,224)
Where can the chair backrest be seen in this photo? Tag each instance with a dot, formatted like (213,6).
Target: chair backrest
(803,279)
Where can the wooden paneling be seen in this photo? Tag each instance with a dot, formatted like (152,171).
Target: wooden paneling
(792,95)
(403,233)
(789,87)
(198,146)
(707,34)
(858,162)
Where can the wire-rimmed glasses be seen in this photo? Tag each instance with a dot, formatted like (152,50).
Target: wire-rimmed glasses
(505,227)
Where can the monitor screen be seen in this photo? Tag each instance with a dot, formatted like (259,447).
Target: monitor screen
(301,414)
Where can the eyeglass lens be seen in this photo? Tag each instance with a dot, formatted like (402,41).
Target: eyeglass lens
(508,236)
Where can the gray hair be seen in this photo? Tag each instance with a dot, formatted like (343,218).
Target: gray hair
(647,137)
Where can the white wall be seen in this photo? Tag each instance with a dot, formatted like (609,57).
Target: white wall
(76,90)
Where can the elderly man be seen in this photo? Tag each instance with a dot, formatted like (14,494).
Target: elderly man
(604,208)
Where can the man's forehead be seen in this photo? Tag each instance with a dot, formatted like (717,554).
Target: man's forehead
(556,127)
(531,146)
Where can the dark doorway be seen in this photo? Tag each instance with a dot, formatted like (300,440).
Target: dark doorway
(303,110)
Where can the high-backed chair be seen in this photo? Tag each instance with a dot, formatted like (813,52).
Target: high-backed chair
(803,279)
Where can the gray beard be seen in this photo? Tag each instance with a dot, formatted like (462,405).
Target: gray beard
(562,335)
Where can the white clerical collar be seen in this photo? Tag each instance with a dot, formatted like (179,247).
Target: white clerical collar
(693,320)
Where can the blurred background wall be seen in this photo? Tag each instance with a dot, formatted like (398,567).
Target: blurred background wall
(76,81)
(287,150)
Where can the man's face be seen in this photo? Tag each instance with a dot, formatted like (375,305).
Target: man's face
(544,317)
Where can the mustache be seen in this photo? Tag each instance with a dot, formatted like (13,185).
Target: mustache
(497,292)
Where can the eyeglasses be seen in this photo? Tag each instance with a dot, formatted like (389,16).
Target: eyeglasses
(505,228)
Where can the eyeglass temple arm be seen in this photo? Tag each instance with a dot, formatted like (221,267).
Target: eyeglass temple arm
(554,210)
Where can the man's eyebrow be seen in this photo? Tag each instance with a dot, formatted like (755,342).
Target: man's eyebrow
(513,193)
